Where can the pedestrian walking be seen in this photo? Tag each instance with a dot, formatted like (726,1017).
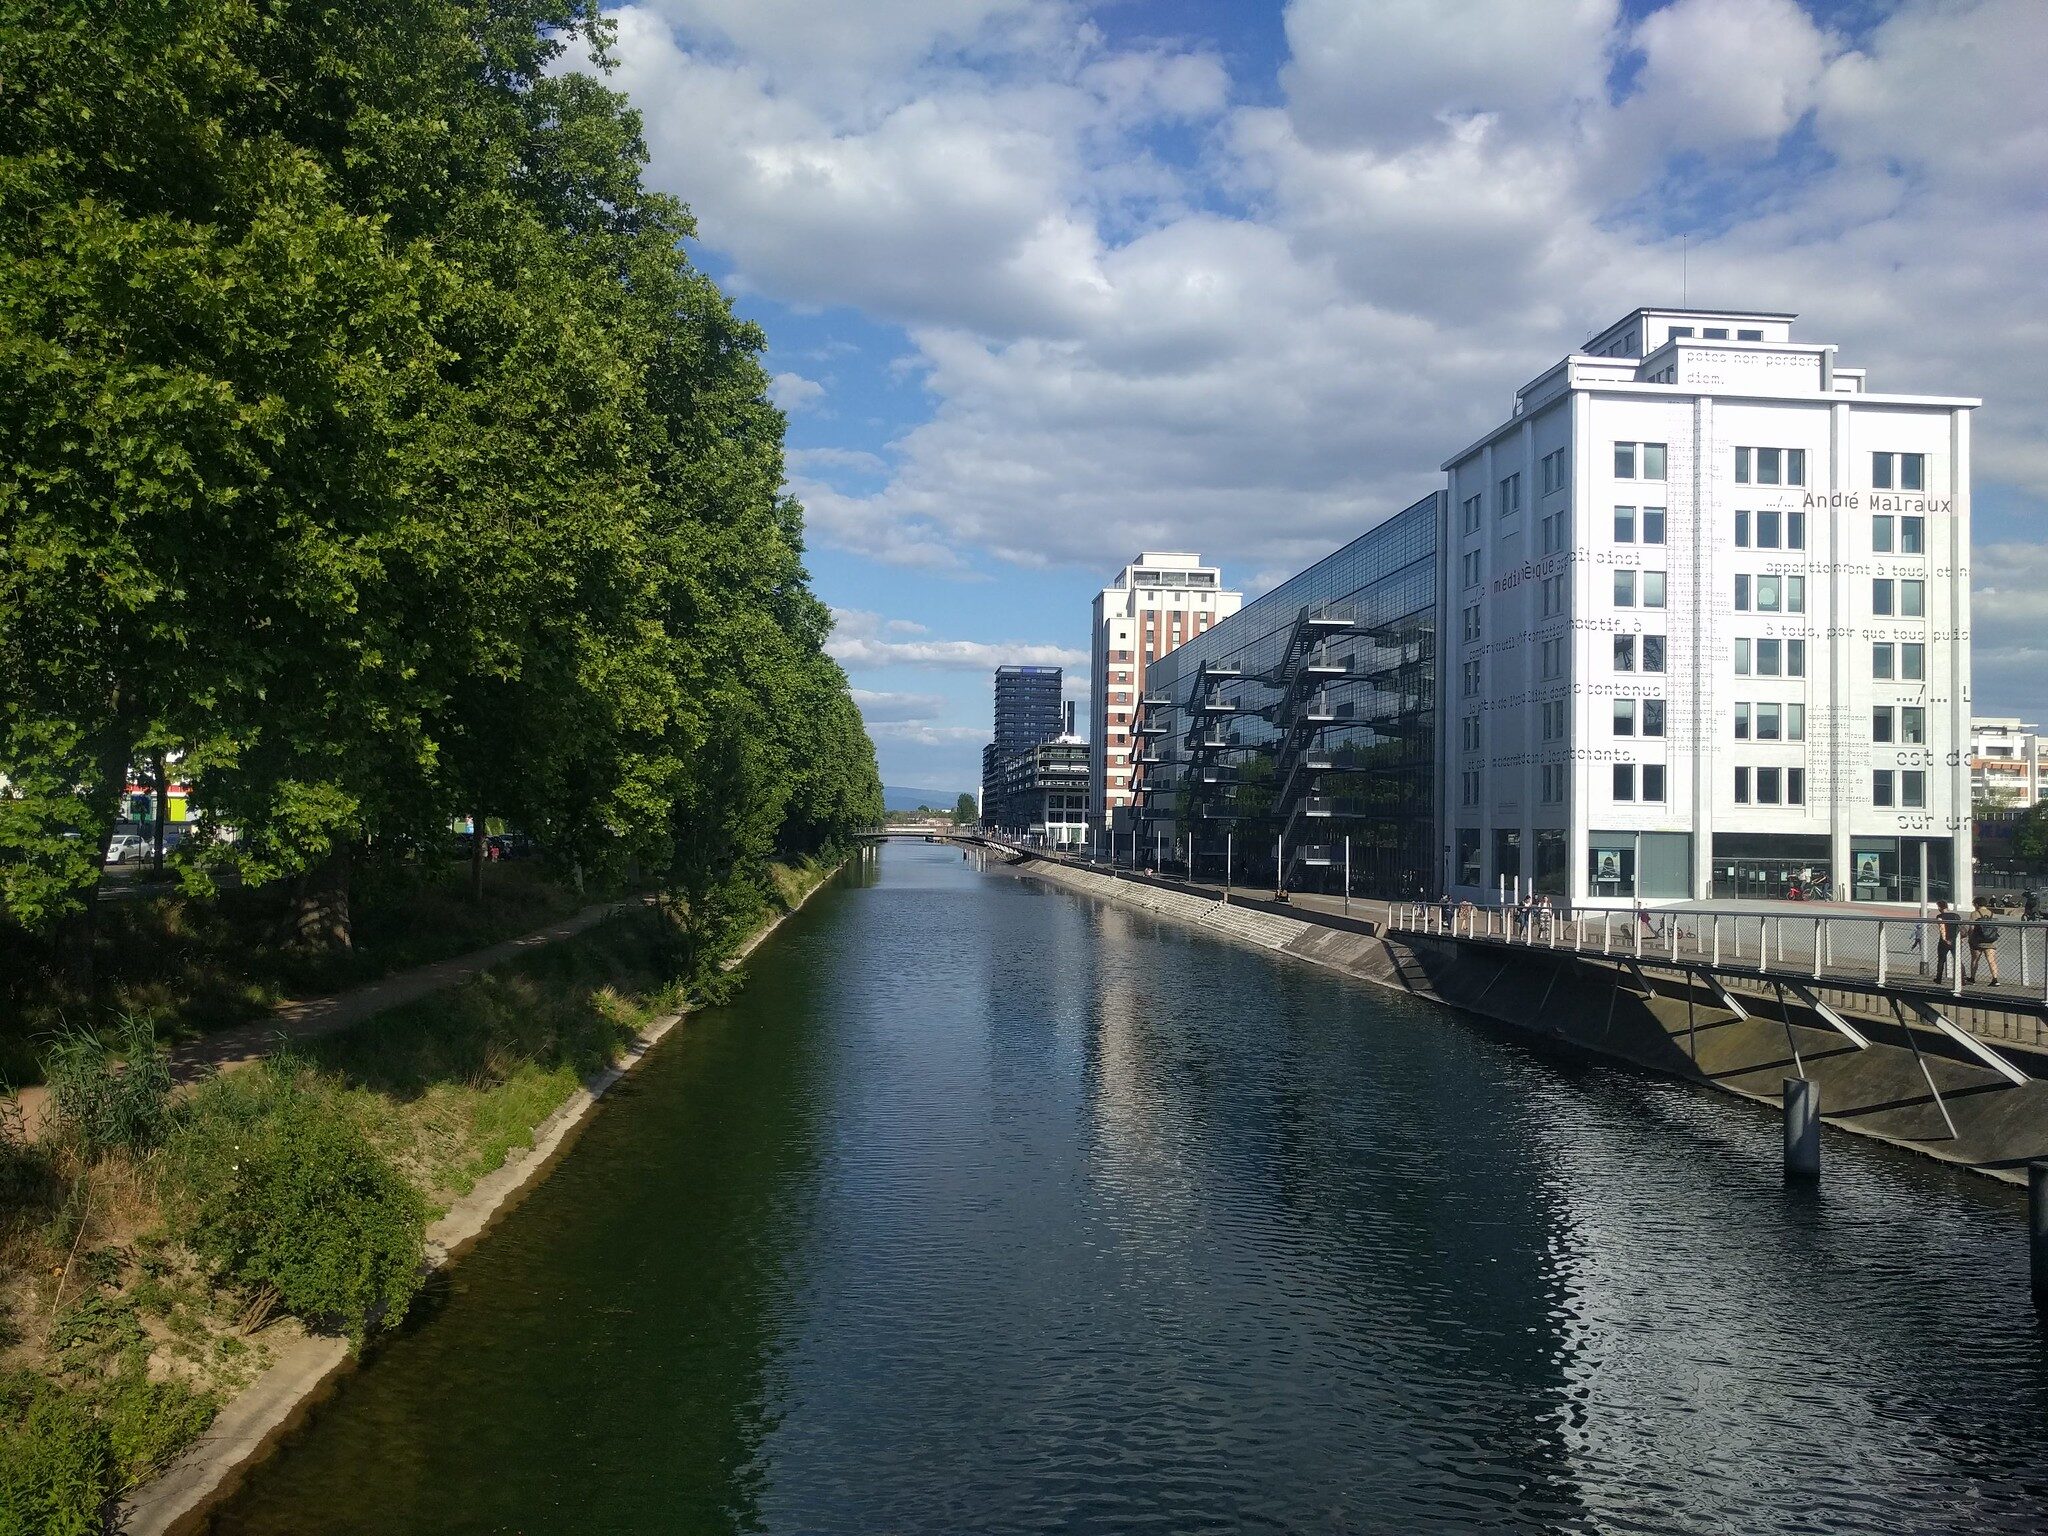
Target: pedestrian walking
(1984,941)
(1949,925)
(2030,906)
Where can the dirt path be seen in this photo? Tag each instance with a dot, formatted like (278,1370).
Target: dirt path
(308,1017)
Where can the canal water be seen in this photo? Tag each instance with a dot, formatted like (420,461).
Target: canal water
(987,1208)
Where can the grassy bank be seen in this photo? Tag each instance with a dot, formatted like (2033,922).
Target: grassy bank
(153,1254)
(191,965)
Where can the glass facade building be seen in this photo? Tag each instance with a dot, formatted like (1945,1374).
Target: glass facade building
(1304,722)
(1027,708)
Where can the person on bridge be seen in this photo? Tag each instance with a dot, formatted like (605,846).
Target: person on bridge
(1984,941)
(1949,922)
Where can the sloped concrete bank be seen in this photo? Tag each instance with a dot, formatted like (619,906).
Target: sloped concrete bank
(1673,1029)
(179,1499)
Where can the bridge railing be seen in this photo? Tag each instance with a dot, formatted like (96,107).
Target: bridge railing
(1985,960)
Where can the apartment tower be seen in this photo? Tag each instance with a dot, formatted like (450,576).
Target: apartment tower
(1157,602)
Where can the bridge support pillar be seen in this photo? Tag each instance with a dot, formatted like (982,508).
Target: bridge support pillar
(1802,1128)
(2037,1232)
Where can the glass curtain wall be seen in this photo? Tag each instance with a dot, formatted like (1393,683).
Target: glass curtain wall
(1372,769)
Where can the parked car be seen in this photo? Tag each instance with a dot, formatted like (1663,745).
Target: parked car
(126,847)
(511,845)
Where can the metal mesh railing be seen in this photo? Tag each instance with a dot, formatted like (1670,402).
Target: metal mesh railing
(1984,960)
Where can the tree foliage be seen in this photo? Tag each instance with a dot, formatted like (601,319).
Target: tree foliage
(368,439)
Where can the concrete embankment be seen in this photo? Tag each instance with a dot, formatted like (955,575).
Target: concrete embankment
(277,1402)
(1664,1023)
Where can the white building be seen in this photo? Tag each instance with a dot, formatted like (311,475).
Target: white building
(1706,612)
(1156,602)
(2005,761)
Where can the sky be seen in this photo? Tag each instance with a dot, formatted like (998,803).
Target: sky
(1048,282)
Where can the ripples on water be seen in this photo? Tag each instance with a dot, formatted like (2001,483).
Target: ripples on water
(991,1209)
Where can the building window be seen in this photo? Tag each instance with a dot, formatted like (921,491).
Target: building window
(1624,525)
(1913,725)
(1912,599)
(1795,786)
(1742,658)
(1554,470)
(1742,335)
(1468,787)
(1624,717)
(1770,724)
(1472,622)
(1653,525)
(1913,662)
(1624,653)
(1553,783)
(1653,653)
(1624,781)
(1769,786)
(1471,678)
(1511,495)
(1639,461)
(1470,509)
(1680,331)
(1912,789)
(1553,658)
(1553,532)
(1715,333)
(1741,529)
(1653,782)
(1770,466)
(1911,531)
(1881,724)
(1742,786)
(1882,786)
(1553,595)
(1653,717)
(1881,535)
(1881,659)
(1624,589)
(1742,722)
(1881,596)
(1469,566)
(1553,719)
(1898,471)
(1469,731)
(1653,589)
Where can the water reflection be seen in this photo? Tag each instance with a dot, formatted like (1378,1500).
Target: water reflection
(989,1208)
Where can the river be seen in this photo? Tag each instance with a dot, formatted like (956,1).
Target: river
(988,1208)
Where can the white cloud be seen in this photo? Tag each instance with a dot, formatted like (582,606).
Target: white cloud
(877,707)
(861,639)
(1263,348)
(793,392)
(1387,73)
(819,460)
(1722,72)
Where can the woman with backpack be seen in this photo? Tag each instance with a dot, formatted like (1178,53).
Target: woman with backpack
(1983,941)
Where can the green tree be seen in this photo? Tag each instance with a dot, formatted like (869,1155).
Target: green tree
(371,441)
(965,811)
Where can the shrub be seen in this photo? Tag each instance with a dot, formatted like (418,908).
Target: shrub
(148,1422)
(101,1104)
(56,1465)
(65,1454)
(274,1182)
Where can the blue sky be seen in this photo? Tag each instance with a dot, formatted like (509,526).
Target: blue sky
(1046,282)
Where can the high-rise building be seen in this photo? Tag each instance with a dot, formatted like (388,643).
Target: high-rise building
(1027,712)
(1159,601)
(1706,615)
(1027,707)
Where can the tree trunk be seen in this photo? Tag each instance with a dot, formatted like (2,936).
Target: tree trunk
(476,855)
(81,930)
(163,808)
(320,919)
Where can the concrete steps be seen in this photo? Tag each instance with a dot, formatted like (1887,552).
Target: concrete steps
(1261,928)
